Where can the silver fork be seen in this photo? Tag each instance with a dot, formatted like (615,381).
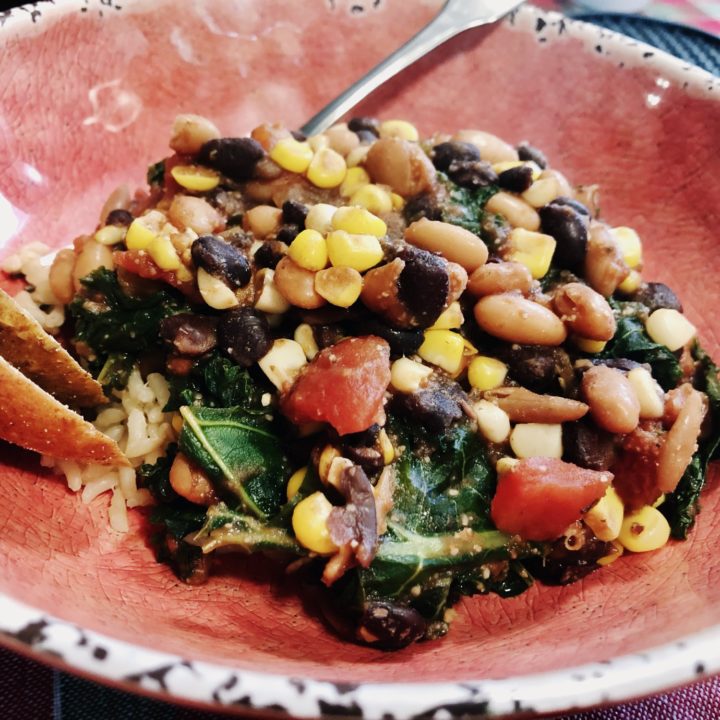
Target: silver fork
(455,17)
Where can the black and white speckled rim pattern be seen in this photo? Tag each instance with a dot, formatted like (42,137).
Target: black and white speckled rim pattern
(174,677)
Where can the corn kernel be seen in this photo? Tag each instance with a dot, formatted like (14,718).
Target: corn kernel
(305,337)
(195,178)
(399,129)
(493,422)
(486,373)
(533,249)
(374,198)
(605,517)
(183,274)
(163,253)
(543,191)
(327,168)
(355,178)
(630,245)
(631,283)
(110,235)
(644,530)
(309,523)
(295,482)
(670,328)
(336,470)
(340,286)
(469,349)
(309,250)
(320,217)
(649,394)
(537,440)
(504,464)
(408,376)
(282,363)
(328,454)
(360,252)
(398,201)
(291,154)
(659,501)
(449,319)
(318,142)
(357,156)
(591,347)
(358,221)
(614,552)
(143,230)
(443,348)
(270,300)
(215,292)
(386,447)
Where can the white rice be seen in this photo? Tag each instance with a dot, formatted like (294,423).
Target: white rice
(136,421)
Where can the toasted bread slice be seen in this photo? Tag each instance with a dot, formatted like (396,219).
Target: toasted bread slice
(38,356)
(35,420)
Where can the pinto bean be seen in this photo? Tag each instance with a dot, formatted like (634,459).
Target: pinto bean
(612,400)
(680,442)
(61,276)
(495,278)
(262,220)
(452,242)
(195,213)
(400,164)
(92,256)
(190,482)
(517,320)
(297,285)
(515,210)
(585,311)
(525,406)
(119,199)
(190,132)
(605,268)
(491,147)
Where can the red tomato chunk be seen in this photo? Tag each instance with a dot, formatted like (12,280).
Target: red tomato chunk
(540,497)
(344,385)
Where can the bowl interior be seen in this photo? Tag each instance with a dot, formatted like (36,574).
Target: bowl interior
(87,104)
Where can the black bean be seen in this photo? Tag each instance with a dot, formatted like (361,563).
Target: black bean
(472,173)
(299,135)
(588,446)
(516,179)
(119,217)
(528,152)
(287,233)
(367,437)
(190,334)
(573,203)
(366,137)
(537,367)
(424,205)
(423,284)
(370,459)
(269,254)
(294,212)
(656,295)
(365,124)
(446,153)
(234,157)
(435,407)
(390,626)
(221,259)
(569,228)
(327,335)
(402,342)
(244,335)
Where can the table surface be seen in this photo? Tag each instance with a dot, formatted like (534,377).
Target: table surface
(33,691)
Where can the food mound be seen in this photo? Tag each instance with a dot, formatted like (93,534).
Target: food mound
(411,369)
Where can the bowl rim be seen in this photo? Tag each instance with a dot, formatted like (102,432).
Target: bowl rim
(216,686)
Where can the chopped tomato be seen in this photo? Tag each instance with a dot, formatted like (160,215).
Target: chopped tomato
(344,385)
(539,497)
(141,264)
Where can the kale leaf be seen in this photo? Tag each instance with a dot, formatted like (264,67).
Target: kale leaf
(109,321)
(466,206)
(683,504)
(240,453)
(156,173)
(216,381)
(631,341)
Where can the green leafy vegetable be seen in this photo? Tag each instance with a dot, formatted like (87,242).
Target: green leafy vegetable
(632,342)
(216,381)
(682,506)
(156,173)
(466,206)
(156,477)
(116,370)
(111,322)
(240,453)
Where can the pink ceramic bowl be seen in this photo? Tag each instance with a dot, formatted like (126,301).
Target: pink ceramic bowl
(90,88)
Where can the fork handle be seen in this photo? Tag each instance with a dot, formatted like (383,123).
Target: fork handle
(436,32)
